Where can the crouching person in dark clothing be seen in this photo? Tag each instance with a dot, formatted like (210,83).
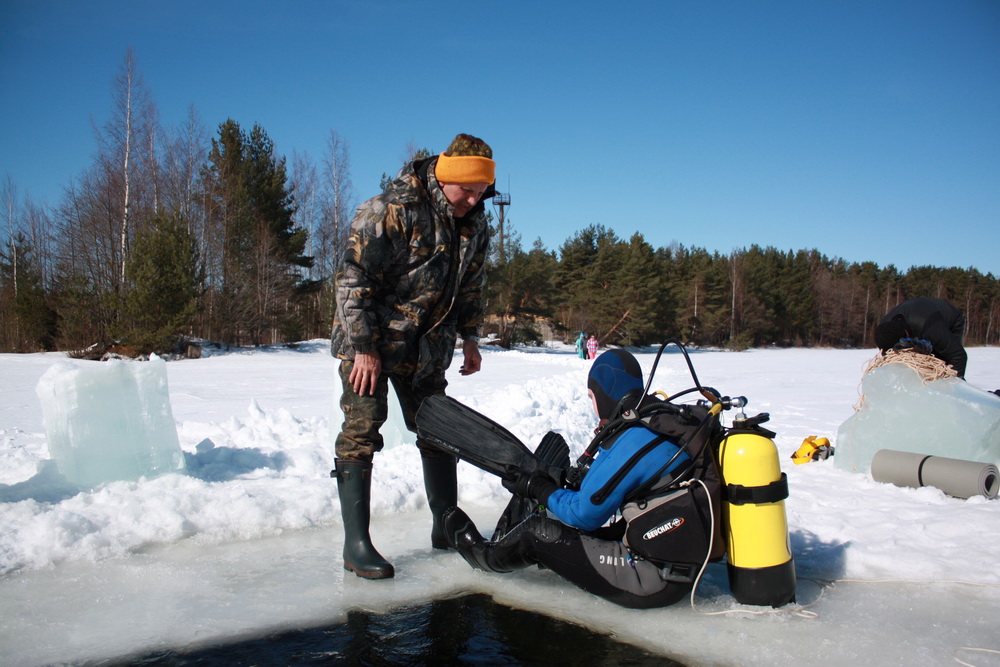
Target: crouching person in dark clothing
(571,538)
(935,321)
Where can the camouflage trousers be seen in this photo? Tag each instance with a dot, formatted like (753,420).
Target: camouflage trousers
(359,437)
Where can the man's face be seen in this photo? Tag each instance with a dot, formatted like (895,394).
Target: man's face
(463,196)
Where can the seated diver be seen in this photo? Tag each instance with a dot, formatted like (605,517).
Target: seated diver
(574,544)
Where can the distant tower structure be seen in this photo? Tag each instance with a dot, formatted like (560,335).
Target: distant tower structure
(501,201)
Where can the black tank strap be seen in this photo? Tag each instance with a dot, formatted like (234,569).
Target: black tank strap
(737,494)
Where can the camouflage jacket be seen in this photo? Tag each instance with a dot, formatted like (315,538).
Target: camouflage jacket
(409,282)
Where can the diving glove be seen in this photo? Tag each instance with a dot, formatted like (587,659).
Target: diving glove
(531,485)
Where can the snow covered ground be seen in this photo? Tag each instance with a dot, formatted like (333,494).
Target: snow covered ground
(248,541)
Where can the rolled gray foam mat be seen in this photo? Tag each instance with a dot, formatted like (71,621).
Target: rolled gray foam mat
(957,478)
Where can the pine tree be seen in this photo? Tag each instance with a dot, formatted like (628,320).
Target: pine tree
(643,295)
(165,280)
(255,255)
(27,321)
(576,279)
(519,289)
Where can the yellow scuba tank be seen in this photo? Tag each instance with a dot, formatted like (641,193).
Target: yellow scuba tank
(761,569)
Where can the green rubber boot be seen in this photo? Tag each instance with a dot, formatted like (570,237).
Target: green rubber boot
(354,485)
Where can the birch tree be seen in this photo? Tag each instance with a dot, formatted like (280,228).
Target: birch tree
(338,204)
(127,154)
(9,207)
(308,209)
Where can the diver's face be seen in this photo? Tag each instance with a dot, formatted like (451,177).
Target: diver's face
(593,402)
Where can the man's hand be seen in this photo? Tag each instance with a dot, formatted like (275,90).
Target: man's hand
(473,359)
(364,374)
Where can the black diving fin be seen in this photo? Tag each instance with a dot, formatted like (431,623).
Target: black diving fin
(458,429)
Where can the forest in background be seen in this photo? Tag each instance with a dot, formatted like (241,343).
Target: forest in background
(179,233)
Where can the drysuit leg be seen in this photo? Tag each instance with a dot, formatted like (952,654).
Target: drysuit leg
(602,567)
(504,555)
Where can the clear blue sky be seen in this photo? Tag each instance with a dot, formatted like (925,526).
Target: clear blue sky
(867,130)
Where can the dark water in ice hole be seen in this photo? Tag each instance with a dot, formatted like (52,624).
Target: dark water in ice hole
(470,630)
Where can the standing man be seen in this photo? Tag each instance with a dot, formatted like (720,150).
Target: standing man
(410,282)
(933,320)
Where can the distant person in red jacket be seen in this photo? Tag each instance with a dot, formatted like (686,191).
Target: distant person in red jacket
(592,346)
(933,320)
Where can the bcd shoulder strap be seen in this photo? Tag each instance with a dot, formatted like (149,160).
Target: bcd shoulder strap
(674,519)
(691,428)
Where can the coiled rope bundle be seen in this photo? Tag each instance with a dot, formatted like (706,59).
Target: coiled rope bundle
(928,367)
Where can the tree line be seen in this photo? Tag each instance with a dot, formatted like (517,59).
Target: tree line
(172,233)
(627,292)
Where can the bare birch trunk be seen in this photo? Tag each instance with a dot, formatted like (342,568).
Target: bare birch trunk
(123,237)
(10,202)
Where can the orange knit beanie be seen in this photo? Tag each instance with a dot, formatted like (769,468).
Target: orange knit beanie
(467,160)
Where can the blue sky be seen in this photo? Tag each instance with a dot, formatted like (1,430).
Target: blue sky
(866,130)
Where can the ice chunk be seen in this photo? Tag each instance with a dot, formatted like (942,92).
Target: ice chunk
(394,431)
(108,421)
(948,418)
